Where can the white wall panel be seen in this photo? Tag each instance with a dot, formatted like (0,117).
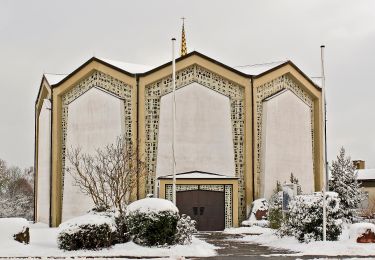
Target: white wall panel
(203,132)
(286,143)
(44,163)
(95,119)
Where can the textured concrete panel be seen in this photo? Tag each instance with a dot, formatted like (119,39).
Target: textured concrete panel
(204,139)
(44,163)
(286,143)
(95,119)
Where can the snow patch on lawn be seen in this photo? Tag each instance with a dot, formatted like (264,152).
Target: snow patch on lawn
(43,243)
(345,246)
(9,227)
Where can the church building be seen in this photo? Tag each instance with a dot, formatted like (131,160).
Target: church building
(238,131)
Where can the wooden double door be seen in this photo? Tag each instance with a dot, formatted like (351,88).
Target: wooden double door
(205,207)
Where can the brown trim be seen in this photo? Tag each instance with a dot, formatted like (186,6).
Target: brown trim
(294,66)
(40,88)
(88,62)
(195,53)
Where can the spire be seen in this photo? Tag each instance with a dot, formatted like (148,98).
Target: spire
(183,39)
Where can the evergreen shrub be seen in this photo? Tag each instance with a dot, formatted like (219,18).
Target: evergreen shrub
(91,231)
(152,221)
(305,218)
(185,230)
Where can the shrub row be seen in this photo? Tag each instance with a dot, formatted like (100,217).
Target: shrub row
(150,222)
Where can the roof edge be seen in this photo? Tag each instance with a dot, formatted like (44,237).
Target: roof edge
(92,59)
(288,62)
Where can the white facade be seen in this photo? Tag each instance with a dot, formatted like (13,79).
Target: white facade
(95,120)
(286,143)
(204,139)
(44,163)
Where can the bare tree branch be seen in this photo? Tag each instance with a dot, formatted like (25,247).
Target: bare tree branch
(109,176)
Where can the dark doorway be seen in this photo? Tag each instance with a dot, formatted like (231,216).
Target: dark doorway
(205,207)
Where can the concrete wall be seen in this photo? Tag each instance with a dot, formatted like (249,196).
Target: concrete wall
(286,143)
(95,119)
(44,163)
(203,132)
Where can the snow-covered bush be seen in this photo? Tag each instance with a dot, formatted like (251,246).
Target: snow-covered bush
(185,230)
(305,217)
(275,213)
(344,183)
(10,227)
(122,234)
(152,221)
(258,214)
(92,231)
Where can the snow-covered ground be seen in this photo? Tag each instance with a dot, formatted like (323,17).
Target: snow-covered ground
(267,237)
(43,243)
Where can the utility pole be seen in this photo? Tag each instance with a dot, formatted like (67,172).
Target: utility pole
(325,166)
(174,122)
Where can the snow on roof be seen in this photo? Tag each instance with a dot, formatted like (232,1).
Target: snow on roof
(197,175)
(256,69)
(129,67)
(149,205)
(54,78)
(317,81)
(366,174)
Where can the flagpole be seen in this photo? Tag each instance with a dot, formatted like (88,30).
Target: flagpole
(325,165)
(173,121)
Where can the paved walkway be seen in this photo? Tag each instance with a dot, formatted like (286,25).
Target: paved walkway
(232,248)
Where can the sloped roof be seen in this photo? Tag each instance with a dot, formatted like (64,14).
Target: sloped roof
(366,174)
(129,67)
(257,69)
(54,78)
(197,175)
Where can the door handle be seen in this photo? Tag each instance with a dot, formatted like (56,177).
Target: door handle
(201,210)
(195,211)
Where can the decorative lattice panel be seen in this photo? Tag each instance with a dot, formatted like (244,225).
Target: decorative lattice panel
(269,89)
(105,83)
(228,198)
(195,73)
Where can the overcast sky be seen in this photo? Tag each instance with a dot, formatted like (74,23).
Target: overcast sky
(39,37)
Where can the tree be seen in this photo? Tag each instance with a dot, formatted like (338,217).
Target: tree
(275,214)
(344,183)
(16,191)
(110,175)
(294,180)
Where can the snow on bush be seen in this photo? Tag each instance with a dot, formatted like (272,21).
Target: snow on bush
(91,231)
(9,227)
(152,221)
(358,229)
(305,217)
(260,206)
(185,230)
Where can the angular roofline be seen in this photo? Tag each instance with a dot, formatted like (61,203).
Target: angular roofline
(40,88)
(193,53)
(208,173)
(92,59)
(288,62)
